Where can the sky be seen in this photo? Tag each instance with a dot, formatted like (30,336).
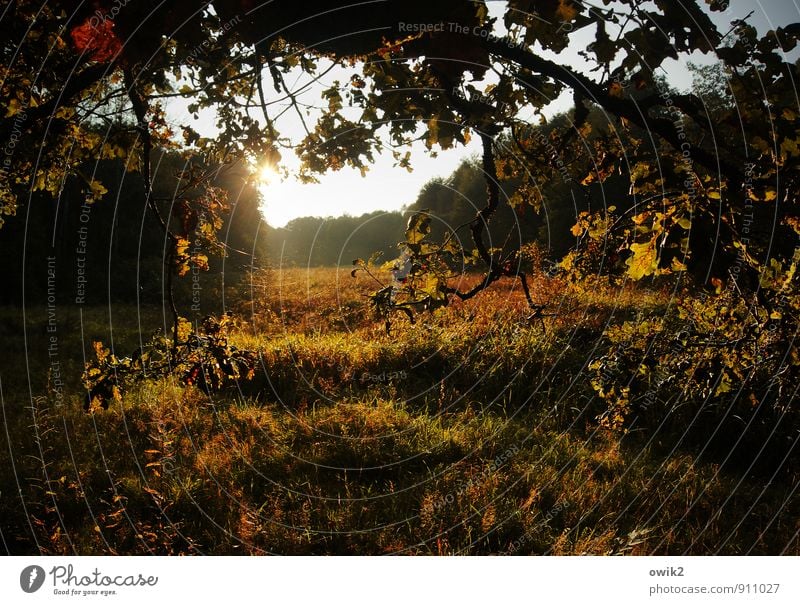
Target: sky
(389,188)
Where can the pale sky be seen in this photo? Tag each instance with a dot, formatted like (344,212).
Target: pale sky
(386,187)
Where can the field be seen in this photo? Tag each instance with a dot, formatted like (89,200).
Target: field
(473,431)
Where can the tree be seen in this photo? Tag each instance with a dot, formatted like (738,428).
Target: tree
(84,82)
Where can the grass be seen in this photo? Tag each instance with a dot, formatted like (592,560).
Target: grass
(471,432)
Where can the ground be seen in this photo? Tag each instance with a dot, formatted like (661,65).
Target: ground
(471,432)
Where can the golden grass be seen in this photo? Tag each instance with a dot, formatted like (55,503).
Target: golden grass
(459,434)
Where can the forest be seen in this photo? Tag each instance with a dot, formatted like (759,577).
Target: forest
(583,340)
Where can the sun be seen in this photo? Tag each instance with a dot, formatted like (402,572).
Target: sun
(268,173)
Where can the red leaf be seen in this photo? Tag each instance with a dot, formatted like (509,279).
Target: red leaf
(98,40)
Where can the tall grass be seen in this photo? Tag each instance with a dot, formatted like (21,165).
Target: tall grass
(470,432)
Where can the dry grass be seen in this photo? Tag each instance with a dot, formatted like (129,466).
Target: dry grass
(465,433)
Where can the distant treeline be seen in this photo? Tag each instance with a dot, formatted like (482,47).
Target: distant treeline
(315,241)
(113,250)
(68,251)
(454,201)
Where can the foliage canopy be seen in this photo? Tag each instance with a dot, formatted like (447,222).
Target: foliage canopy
(712,174)
(88,81)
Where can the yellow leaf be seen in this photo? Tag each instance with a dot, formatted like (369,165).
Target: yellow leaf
(181,246)
(724,385)
(433,132)
(789,147)
(793,222)
(201,261)
(678,265)
(64,112)
(13,108)
(40,182)
(96,190)
(761,145)
(644,260)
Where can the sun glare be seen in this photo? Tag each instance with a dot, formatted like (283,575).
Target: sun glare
(268,174)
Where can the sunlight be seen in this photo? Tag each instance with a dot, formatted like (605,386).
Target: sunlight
(337,193)
(268,174)
(286,199)
(385,187)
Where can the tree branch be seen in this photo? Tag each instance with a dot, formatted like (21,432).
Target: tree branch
(140,109)
(492,202)
(624,108)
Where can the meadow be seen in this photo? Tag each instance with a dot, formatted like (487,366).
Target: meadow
(473,431)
